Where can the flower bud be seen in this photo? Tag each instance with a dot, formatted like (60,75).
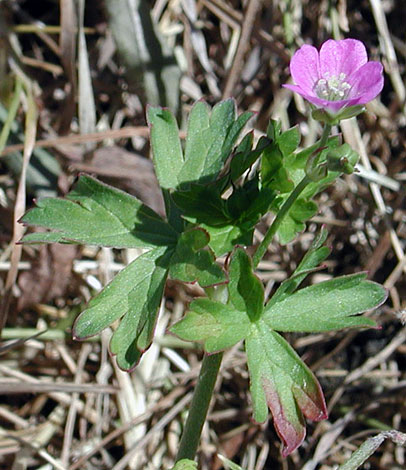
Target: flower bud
(342,159)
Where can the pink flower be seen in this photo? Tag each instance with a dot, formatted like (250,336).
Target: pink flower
(337,77)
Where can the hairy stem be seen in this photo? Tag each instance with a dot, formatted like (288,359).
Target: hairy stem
(211,363)
(263,246)
(199,406)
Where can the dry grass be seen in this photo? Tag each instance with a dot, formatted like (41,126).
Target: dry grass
(65,405)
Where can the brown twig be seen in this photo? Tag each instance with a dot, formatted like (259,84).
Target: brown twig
(243,45)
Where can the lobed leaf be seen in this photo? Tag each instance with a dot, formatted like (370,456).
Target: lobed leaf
(329,305)
(133,295)
(166,147)
(245,289)
(193,261)
(202,204)
(210,140)
(94,213)
(316,254)
(198,142)
(219,326)
(135,332)
(281,381)
(283,167)
(224,238)
(294,221)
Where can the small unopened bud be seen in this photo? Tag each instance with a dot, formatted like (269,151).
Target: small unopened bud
(342,159)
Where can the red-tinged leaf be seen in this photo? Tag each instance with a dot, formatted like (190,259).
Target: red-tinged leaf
(281,381)
(290,426)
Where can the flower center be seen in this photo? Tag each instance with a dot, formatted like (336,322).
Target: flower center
(332,88)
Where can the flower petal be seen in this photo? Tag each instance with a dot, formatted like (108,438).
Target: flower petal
(344,56)
(305,67)
(296,89)
(333,106)
(367,82)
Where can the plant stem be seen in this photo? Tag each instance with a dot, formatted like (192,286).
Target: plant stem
(324,135)
(261,250)
(259,253)
(199,406)
(211,363)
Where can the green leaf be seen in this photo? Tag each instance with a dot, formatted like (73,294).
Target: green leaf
(134,294)
(283,168)
(185,464)
(245,289)
(289,141)
(224,238)
(294,220)
(257,203)
(218,325)
(94,213)
(198,142)
(316,254)
(221,119)
(281,381)
(202,204)
(212,141)
(329,305)
(248,202)
(135,332)
(228,463)
(244,156)
(194,261)
(273,173)
(166,147)
(232,135)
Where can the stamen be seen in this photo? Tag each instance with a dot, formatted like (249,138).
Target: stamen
(332,88)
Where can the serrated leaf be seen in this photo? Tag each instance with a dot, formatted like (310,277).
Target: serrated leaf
(126,291)
(329,305)
(281,381)
(94,213)
(245,289)
(193,261)
(219,326)
(166,147)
